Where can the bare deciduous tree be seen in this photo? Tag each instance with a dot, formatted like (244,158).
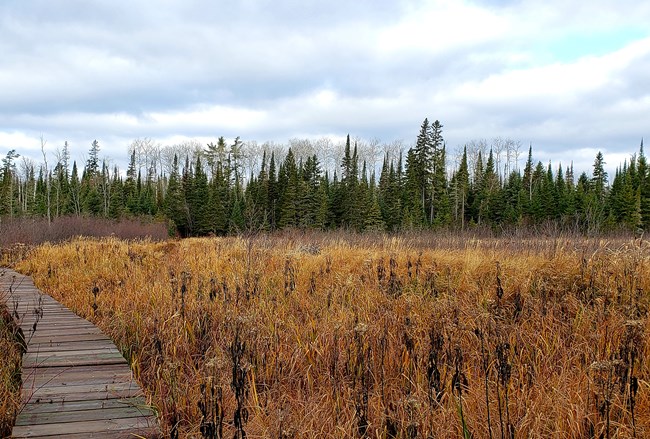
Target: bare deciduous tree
(46,176)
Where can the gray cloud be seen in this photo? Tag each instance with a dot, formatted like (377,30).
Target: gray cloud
(272,70)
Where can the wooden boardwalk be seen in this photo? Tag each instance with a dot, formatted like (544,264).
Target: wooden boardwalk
(76,384)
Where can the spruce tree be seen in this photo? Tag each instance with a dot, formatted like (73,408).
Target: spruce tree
(273,196)
(439,202)
(199,204)
(599,178)
(219,196)
(92,165)
(460,187)
(288,216)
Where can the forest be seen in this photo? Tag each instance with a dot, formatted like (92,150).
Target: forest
(221,189)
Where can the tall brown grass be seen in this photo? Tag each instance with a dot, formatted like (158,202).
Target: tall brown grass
(12,351)
(338,336)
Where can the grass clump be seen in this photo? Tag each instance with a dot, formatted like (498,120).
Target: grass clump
(317,336)
(10,366)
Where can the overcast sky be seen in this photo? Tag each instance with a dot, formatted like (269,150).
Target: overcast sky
(569,77)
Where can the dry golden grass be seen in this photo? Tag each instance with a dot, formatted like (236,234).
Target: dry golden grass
(9,369)
(385,337)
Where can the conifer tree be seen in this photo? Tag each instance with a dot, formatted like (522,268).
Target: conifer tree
(420,166)
(439,202)
(92,165)
(130,194)
(7,204)
(199,203)
(599,177)
(117,199)
(644,189)
(460,190)
(219,201)
(288,216)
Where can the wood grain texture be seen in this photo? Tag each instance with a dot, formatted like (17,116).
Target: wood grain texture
(76,384)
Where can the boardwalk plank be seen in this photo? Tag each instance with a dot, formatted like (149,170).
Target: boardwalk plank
(146,433)
(73,376)
(86,360)
(68,428)
(83,415)
(71,346)
(37,338)
(76,384)
(89,404)
(49,390)
(83,396)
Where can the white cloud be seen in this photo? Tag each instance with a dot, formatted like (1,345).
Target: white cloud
(440,26)
(277,70)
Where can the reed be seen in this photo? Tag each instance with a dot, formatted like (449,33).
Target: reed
(371,336)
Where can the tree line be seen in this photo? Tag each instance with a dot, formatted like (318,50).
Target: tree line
(219,189)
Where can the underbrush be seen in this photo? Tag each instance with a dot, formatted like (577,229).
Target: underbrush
(371,336)
(31,231)
(9,369)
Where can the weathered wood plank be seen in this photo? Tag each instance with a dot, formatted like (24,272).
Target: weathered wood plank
(71,346)
(70,318)
(86,360)
(76,384)
(142,433)
(36,355)
(55,323)
(54,374)
(89,404)
(82,396)
(67,428)
(37,338)
(80,379)
(51,390)
(53,333)
(83,415)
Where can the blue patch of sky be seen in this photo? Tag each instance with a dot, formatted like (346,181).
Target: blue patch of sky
(571,46)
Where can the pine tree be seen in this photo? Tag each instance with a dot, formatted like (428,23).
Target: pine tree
(460,185)
(61,187)
(92,165)
(536,208)
(199,203)
(488,192)
(131,196)
(561,194)
(187,183)
(528,174)
(117,199)
(511,199)
(348,185)
(7,204)
(414,213)
(644,189)
(288,216)
(75,191)
(219,201)
(373,219)
(273,196)
(237,220)
(599,178)
(439,201)
(421,166)
(216,154)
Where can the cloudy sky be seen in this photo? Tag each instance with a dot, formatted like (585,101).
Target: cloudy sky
(568,77)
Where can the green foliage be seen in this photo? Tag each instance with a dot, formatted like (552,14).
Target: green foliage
(219,191)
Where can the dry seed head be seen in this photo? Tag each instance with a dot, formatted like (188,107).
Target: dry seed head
(412,403)
(604,366)
(361,328)
(634,324)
